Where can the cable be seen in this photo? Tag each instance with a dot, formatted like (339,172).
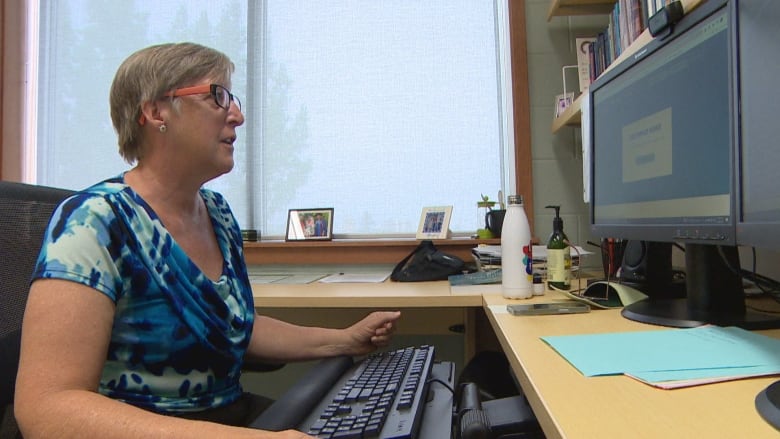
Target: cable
(766,285)
(437,380)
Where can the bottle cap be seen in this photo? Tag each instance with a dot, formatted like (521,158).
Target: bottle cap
(515,199)
(557,220)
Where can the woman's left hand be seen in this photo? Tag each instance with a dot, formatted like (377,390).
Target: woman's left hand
(374,331)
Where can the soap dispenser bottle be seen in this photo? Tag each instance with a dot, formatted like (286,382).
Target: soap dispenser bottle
(558,255)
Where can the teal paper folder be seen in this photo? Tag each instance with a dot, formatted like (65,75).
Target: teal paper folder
(706,352)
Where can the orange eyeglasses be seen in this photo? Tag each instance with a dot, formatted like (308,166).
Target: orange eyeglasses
(222,96)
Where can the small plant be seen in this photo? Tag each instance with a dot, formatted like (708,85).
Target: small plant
(485,202)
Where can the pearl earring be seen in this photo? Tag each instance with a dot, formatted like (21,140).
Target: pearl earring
(163,128)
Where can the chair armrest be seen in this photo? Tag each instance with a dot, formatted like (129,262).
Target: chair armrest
(261,366)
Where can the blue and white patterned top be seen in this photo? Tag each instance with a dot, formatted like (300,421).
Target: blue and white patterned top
(178,338)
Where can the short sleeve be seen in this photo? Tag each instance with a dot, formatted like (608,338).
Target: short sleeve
(83,244)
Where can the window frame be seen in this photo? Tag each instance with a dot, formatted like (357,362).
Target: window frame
(17,24)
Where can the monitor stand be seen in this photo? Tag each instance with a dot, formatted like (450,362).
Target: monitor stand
(768,404)
(676,313)
(714,295)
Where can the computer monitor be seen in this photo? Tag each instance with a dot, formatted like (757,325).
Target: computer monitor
(758,221)
(664,132)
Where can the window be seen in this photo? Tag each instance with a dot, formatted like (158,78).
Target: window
(374,108)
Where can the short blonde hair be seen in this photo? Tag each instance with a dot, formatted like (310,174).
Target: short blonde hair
(148,74)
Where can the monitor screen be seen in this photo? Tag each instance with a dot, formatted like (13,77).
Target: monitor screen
(662,142)
(664,135)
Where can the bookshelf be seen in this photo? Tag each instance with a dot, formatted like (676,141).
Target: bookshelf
(564,8)
(572,115)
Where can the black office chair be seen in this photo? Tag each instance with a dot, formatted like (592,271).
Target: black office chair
(24,214)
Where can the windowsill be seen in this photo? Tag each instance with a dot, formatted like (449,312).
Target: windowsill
(350,251)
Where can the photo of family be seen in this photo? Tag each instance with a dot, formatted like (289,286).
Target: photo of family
(434,222)
(305,224)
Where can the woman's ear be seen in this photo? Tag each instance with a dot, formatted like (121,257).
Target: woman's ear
(151,114)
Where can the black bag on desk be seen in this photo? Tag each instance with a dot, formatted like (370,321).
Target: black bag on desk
(425,263)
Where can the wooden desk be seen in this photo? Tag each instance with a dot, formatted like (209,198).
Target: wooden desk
(569,405)
(427,307)
(387,294)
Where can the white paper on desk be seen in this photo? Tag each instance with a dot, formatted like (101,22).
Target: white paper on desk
(676,379)
(288,278)
(355,278)
(539,251)
(488,250)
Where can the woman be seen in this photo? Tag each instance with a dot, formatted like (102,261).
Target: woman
(140,313)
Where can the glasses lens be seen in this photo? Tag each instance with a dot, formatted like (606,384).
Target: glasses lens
(223,97)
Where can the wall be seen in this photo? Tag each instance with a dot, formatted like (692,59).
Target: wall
(557,158)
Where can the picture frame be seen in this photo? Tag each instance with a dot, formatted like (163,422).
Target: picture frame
(562,102)
(310,224)
(434,222)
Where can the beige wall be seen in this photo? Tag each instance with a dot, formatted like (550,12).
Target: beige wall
(557,158)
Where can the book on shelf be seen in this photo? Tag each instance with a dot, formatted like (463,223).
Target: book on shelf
(628,20)
(583,61)
(623,24)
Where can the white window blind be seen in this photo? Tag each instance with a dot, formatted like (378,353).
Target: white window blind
(376,108)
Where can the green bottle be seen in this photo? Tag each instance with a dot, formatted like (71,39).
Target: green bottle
(558,255)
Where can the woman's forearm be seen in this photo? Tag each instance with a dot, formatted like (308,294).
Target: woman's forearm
(81,413)
(291,342)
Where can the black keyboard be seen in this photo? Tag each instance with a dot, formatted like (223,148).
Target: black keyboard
(383,396)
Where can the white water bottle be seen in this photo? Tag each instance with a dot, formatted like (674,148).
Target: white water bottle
(516,252)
